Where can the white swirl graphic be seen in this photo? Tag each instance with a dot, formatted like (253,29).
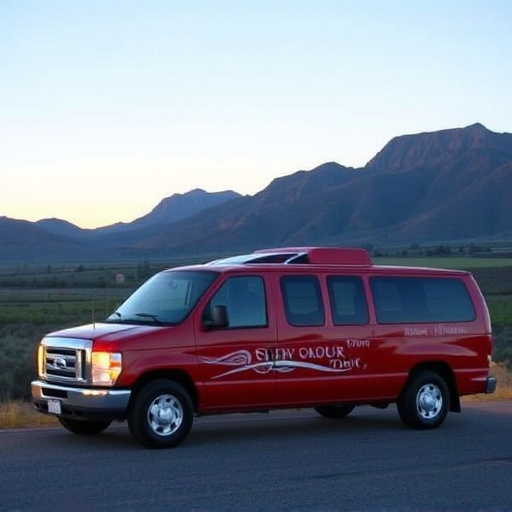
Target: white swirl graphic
(242,359)
(291,365)
(234,359)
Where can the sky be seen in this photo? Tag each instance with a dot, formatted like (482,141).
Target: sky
(109,106)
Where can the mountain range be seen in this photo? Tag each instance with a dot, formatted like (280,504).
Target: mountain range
(450,185)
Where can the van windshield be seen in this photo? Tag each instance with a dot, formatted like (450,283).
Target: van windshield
(165,299)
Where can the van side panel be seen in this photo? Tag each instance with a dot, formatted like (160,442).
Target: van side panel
(458,336)
(337,361)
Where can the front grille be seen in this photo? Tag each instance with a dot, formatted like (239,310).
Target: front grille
(65,360)
(65,363)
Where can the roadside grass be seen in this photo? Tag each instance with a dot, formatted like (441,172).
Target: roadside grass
(21,414)
(503,388)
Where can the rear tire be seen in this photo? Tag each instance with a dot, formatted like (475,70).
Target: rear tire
(425,401)
(84,428)
(335,412)
(161,414)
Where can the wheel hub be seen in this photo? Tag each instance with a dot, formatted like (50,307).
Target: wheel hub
(165,415)
(429,401)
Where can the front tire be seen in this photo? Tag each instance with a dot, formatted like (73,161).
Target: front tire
(335,412)
(425,401)
(161,415)
(84,428)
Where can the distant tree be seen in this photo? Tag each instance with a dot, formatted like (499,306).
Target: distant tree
(441,250)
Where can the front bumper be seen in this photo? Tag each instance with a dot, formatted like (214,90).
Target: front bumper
(81,403)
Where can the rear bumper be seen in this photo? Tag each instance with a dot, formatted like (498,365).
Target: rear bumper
(81,402)
(490,385)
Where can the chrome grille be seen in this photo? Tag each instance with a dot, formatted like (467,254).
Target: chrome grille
(65,360)
(64,363)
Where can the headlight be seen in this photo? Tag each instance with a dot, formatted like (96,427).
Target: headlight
(40,361)
(106,367)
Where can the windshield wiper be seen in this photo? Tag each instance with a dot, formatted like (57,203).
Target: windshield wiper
(125,320)
(152,317)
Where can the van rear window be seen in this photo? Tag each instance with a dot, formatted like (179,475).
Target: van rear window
(421,300)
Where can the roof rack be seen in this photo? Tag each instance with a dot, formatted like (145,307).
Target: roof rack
(302,255)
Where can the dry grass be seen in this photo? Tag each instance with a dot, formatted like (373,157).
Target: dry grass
(18,414)
(503,389)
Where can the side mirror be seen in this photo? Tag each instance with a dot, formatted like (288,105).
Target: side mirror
(219,318)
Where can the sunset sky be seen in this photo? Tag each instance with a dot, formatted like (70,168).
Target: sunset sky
(109,106)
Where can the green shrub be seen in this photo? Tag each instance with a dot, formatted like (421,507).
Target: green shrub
(503,345)
(17,360)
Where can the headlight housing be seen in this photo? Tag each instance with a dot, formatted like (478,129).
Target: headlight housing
(106,368)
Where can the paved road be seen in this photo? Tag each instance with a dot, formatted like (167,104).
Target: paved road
(287,460)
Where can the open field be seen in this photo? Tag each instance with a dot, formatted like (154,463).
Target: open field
(36,300)
(452,262)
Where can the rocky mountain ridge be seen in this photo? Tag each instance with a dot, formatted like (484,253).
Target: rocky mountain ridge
(449,185)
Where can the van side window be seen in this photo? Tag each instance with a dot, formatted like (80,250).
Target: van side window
(417,299)
(302,300)
(347,299)
(244,298)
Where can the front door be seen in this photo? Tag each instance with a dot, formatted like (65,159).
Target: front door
(234,361)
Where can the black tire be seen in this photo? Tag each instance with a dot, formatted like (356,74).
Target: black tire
(161,414)
(425,401)
(83,427)
(335,412)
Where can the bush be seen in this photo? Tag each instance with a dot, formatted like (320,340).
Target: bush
(17,361)
(503,345)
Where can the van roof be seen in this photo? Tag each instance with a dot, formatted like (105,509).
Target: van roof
(301,255)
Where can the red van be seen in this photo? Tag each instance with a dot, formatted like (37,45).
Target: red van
(279,328)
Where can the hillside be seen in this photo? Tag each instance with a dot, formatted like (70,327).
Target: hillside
(23,241)
(450,185)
